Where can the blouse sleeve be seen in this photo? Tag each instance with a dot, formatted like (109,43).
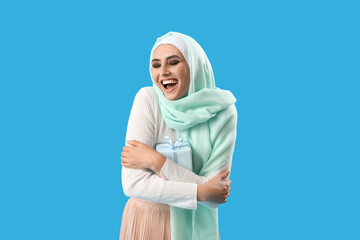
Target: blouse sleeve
(143,184)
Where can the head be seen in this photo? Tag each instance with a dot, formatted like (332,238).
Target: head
(170,71)
(179,67)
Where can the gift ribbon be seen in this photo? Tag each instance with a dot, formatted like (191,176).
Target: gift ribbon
(174,146)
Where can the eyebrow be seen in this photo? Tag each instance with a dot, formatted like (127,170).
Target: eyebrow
(172,56)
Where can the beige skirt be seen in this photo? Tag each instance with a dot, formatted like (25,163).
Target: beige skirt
(145,220)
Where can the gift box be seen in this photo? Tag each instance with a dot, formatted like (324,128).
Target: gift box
(179,152)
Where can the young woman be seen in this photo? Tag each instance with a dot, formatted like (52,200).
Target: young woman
(168,201)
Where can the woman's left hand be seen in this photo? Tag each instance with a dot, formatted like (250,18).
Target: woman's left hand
(140,155)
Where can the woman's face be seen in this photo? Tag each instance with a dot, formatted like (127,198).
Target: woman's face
(170,71)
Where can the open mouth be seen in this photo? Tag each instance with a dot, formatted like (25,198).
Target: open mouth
(169,84)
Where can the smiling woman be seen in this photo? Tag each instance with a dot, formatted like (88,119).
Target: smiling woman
(168,201)
(170,71)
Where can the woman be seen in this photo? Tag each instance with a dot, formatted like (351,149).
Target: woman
(183,102)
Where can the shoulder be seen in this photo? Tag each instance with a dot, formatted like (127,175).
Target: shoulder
(146,101)
(145,94)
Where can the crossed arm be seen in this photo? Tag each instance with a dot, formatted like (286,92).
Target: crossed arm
(142,156)
(171,184)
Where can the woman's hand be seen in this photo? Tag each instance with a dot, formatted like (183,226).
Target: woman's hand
(216,189)
(140,155)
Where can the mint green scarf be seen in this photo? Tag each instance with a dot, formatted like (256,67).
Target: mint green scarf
(206,117)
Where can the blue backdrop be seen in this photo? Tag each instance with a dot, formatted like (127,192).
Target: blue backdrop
(69,72)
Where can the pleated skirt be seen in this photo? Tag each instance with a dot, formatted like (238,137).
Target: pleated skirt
(145,220)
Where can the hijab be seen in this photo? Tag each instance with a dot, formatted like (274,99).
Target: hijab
(206,117)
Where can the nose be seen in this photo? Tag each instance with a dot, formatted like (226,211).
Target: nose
(165,71)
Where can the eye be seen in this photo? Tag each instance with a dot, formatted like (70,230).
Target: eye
(156,65)
(174,62)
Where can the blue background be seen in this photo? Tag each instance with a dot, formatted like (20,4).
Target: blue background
(69,72)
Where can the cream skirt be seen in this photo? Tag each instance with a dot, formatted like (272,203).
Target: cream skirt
(144,220)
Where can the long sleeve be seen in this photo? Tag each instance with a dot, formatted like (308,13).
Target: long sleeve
(143,184)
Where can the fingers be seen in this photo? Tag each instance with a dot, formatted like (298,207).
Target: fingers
(225,199)
(228,183)
(126,163)
(127,148)
(126,154)
(222,198)
(224,174)
(123,162)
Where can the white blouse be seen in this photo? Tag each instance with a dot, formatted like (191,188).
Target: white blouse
(177,186)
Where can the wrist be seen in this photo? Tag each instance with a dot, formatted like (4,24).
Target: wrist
(158,164)
(202,192)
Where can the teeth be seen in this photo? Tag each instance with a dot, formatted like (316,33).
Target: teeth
(169,81)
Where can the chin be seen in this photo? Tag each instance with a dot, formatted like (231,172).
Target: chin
(172,96)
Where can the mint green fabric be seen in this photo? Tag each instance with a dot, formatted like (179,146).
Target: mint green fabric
(206,117)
